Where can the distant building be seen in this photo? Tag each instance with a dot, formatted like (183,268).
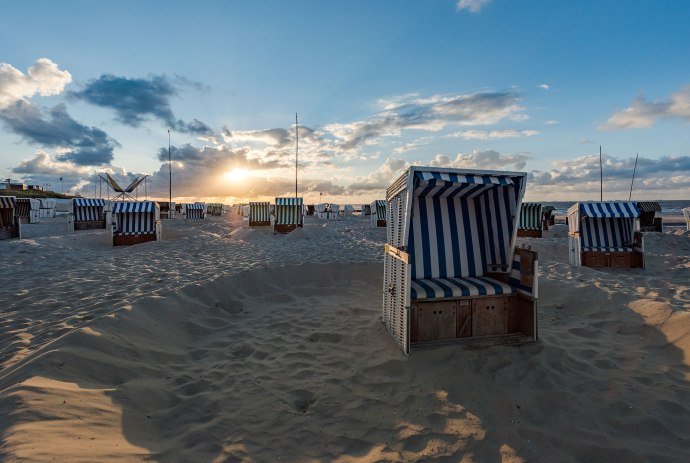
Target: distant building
(35,187)
(9,185)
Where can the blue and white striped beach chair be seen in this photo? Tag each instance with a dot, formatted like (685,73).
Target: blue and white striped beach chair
(260,214)
(86,214)
(531,220)
(605,234)
(196,211)
(451,271)
(378,213)
(135,222)
(9,222)
(288,214)
(686,214)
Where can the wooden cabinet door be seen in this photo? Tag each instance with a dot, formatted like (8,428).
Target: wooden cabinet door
(489,316)
(435,321)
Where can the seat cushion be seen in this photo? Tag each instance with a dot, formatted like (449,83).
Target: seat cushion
(609,249)
(435,288)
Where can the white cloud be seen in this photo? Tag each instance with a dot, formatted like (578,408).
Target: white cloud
(551,122)
(642,113)
(43,78)
(487,159)
(493,134)
(474,6)
(544,86)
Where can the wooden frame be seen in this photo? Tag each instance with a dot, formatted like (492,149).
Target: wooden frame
(90,225)
(529,233)
(286,228)
(259,223)
(129,240)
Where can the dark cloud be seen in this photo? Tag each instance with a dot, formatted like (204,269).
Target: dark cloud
(135,100)
(78,143)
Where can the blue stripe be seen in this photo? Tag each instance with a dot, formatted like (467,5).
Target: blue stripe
(426,258)
(440,239)
(453,225)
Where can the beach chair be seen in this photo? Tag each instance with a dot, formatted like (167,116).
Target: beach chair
(260,214)
(27,210)
(686,214)
(451,271)
(605,234)
(288,213)
(531,221)
(168,209)
(366,209)
(215,209)
(135,222)
(378,213)
(327,211)
(87,214)
(549,216)
(9,222)
(648,220)
(195,211)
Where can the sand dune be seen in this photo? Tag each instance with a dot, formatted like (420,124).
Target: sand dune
(214,346)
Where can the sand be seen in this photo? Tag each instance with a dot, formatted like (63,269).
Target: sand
(227,344)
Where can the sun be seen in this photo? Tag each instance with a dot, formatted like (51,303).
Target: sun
(237,175)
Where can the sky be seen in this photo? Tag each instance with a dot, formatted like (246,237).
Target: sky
(532,86)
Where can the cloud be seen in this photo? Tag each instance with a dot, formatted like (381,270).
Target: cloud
(586,141)
(487,159)
(643,113)
(473,6)
(43,164)
(429,114)
(551,122)
(274,137)
(136,100)
(493,134)
(43,78)
(76,142)
(583,173)
(379,179)
(544,86)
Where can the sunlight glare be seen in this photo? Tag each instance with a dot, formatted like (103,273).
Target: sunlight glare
(237,175)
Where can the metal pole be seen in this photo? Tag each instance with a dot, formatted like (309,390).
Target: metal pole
(170,172)
(296,158)
(633,178)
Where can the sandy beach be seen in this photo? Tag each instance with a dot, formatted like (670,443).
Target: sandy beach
(227,344)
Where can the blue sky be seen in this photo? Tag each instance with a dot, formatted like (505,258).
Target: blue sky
(534,86)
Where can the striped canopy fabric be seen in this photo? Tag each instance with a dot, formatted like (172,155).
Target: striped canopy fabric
(378,208)
(8,202)
(88,202)
(259,212)
(460,229)
(686,214)
(88,210)
(611,209)
(135,217)
(604,226)
(451,185)
(530,216)
(288,211)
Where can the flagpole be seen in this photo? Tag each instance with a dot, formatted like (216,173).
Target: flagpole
(170,173)
(601,177)
(296,158)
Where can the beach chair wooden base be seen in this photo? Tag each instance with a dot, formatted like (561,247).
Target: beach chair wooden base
(472,317)
(529,233)
(90,225)
(602,259)
(380,223)
(282,228)
(129,240)
(259,223)
(7,233)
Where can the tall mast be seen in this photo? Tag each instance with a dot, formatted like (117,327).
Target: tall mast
(633,178)
(169,172)
(296,156)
